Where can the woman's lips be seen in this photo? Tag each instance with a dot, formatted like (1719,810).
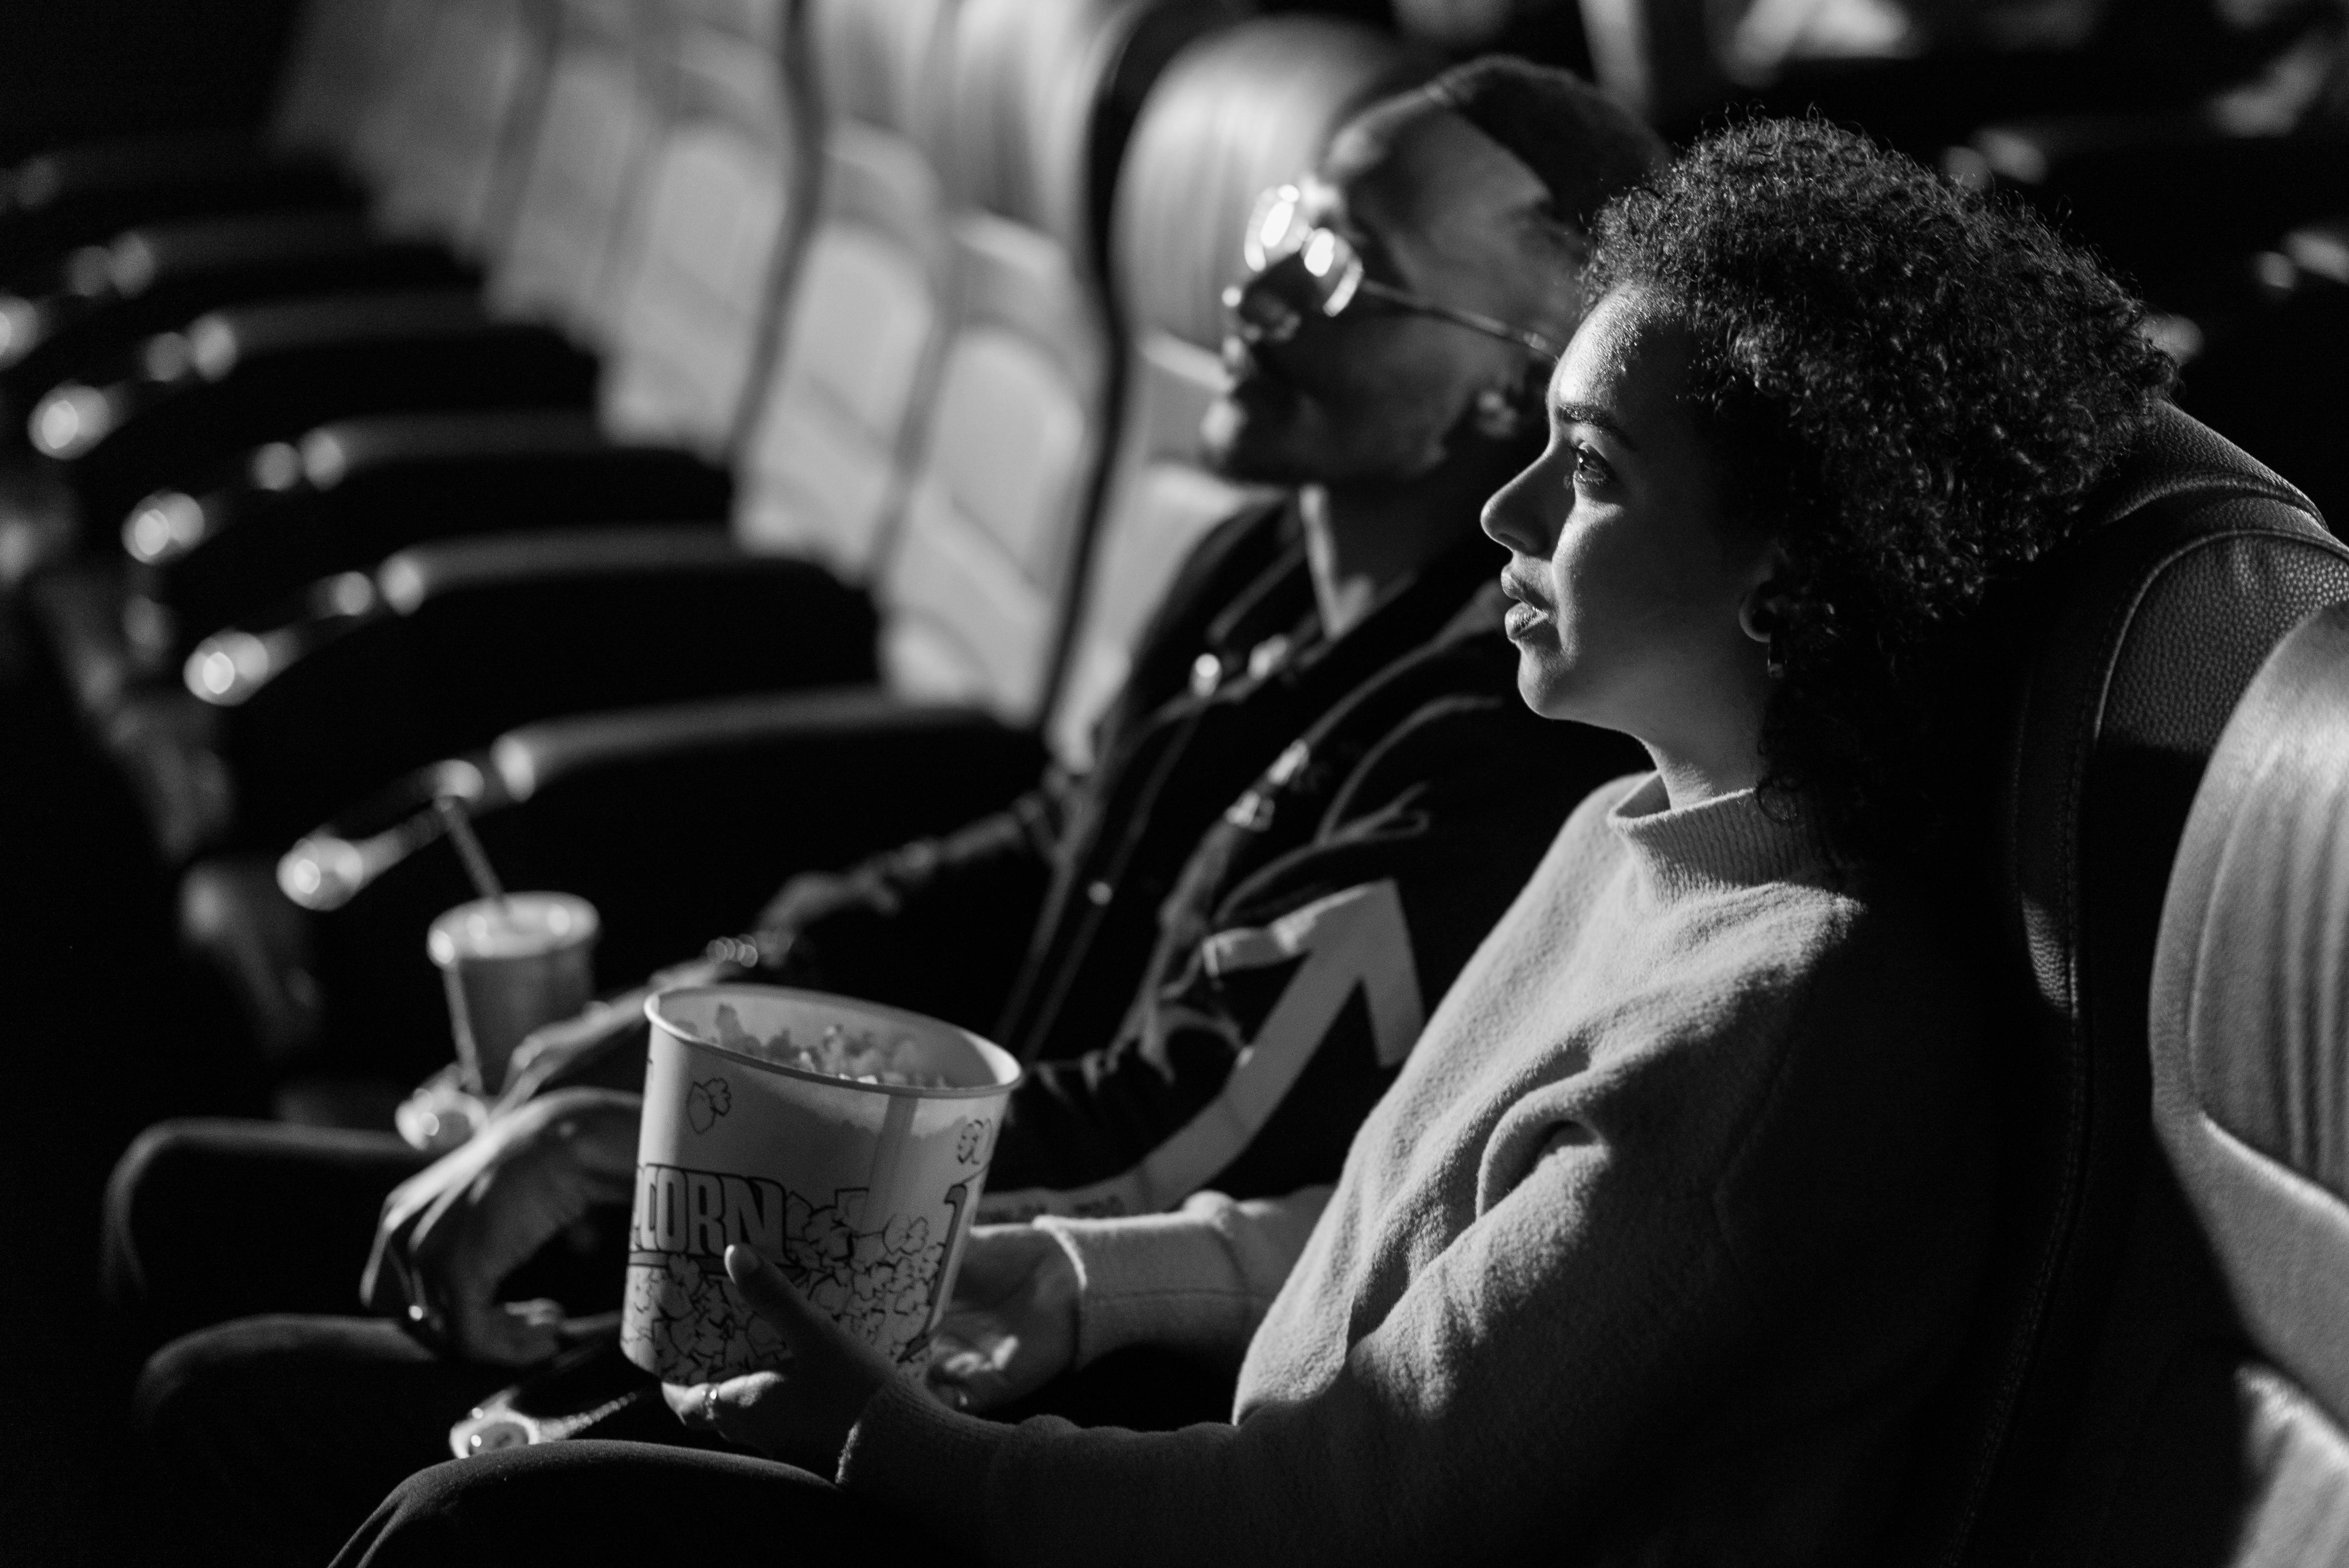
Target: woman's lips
(1522,620)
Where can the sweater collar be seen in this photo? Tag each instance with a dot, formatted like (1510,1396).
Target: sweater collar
(1726,841)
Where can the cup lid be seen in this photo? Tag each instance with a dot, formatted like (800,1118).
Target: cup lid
(519,925)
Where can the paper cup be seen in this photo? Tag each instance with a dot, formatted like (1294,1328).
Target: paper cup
(861,1193)
(509,965)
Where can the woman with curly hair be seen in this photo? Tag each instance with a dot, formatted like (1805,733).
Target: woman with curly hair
(1672,1219)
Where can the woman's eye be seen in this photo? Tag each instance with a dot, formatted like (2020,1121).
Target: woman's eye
(1589,467)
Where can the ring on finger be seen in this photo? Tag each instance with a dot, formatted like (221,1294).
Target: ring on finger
(709,1405)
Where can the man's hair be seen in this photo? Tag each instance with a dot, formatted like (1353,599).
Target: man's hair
(1915,390)
(1580,143)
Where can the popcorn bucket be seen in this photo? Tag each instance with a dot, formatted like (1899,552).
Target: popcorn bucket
(845,1141)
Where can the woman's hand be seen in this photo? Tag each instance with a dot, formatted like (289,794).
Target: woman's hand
(450,1233)
(800,1415)
(1011,1326)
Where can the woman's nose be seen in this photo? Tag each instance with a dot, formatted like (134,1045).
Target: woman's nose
(1513,518)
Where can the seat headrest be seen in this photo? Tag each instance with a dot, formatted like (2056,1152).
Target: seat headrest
(1237,113)
(2249,1017)
(2115,664)
(1044,93)
(875,61)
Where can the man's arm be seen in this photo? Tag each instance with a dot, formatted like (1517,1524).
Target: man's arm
(1277,1015)
(938,926)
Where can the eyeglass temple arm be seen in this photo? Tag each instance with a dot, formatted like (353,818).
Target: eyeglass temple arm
(1488,326)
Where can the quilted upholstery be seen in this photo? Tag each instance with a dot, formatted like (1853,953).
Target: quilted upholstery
(2125,655)
(708,233)
(2250,1032)
(824,465)
(1237,113)
(475,89)
(333,70)
(988,551)
(602,110)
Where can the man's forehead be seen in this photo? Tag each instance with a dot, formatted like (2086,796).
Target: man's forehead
(1426,170)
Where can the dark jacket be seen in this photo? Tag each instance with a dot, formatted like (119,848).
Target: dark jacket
(1215,949)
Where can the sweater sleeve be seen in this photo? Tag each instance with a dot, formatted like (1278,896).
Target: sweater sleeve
(1572,1349)
(1521,1361)
(1199,1279)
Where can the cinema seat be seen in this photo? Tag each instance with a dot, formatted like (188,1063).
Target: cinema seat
(2226,1438)
(1012,456)
(721,800)
(2106,680)
(346,60)
(347,493)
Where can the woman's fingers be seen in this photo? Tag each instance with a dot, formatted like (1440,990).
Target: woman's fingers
(762,1284)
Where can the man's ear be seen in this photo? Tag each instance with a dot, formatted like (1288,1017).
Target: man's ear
(1501,414)
(1507,413)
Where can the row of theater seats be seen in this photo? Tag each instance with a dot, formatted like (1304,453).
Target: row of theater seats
(902,315)
(861,251)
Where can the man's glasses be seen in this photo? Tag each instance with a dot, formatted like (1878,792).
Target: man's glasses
(1320,268)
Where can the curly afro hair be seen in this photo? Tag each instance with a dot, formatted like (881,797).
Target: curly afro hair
(1914,389)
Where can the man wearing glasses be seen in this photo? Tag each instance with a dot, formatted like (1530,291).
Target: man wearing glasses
(1316,792)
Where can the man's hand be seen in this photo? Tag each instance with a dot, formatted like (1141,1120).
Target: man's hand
(553,1049)
(800,1415)
(1011,1326)
(452,1232)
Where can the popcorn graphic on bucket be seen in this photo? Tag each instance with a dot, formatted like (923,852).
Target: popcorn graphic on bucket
(845,1141)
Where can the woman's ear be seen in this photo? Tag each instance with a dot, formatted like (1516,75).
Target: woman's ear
(1763,609)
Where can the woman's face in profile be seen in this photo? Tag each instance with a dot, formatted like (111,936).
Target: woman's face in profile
(1626,574)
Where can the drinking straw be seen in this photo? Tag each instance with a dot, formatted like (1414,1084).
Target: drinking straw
(469,848)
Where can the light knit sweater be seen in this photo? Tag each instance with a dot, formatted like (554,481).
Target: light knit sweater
(1647,1256)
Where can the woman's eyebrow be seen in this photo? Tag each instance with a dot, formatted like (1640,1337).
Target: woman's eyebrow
(1584,414)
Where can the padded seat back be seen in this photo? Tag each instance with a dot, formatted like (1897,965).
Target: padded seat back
(2238,1454)
(977,583)
(1236,113)
(604,104)
(2124,652)
(708,230)
(474,91)
(390,115)
(338,61)
(824,465)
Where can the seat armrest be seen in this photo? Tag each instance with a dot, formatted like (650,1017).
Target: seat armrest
(350,493)
(234,378)
(448,644)
(678,822)
(79,195)
(148,279)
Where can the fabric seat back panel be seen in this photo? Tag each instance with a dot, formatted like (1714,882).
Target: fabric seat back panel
(828,455)
(2249,1014)
(337,63)
(1234,114)
(990,531)
(1162,501)
(483,60)
(594,137)
(712,218)
(2129,649)
(390,113)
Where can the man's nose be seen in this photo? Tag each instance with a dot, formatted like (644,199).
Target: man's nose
(1258,313)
